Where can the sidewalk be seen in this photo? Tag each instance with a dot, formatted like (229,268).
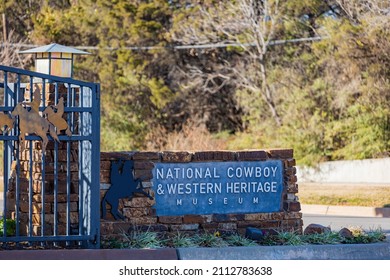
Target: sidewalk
(353,211)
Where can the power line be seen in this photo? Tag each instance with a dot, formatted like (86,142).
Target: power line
(179,47)
(272,43)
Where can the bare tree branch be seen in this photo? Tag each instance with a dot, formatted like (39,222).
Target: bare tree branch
(357,10)
(9,52)
(246,22)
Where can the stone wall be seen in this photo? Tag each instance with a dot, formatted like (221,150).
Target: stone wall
(139,213)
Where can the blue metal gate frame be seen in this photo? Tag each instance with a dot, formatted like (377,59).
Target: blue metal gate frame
(86,132)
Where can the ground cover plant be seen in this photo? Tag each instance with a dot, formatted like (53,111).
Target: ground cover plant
(143,240)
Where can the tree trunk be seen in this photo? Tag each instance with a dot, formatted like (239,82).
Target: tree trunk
(5,37)
(267,94)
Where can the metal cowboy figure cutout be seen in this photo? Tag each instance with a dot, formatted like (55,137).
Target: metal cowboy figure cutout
(31,121)
(123,185)
(6,122)
(54,115)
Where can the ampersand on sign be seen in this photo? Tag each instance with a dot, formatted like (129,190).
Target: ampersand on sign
(160,190)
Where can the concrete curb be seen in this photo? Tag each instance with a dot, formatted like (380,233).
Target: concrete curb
(90,254)
(375,251)
(353,211)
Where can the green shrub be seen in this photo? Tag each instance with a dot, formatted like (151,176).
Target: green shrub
(10,225)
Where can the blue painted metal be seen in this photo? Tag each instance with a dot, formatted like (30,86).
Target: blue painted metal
(123,185)
(83,116)
(218,187)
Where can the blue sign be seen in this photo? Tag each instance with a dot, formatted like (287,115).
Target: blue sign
(217,187)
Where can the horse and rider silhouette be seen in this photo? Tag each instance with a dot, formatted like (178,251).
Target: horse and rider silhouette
(123,185)
(54,115)
(31,121)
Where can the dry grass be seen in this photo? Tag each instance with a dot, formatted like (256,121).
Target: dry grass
(192,137)
(344,194)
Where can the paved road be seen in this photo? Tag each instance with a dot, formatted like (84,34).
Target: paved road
(338,222)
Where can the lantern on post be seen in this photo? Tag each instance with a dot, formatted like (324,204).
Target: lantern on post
(54,59)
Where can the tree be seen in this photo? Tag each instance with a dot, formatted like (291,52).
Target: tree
(19,16)
(9,52)
(356,63)
(248,24)
(328,100)
(357,10)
